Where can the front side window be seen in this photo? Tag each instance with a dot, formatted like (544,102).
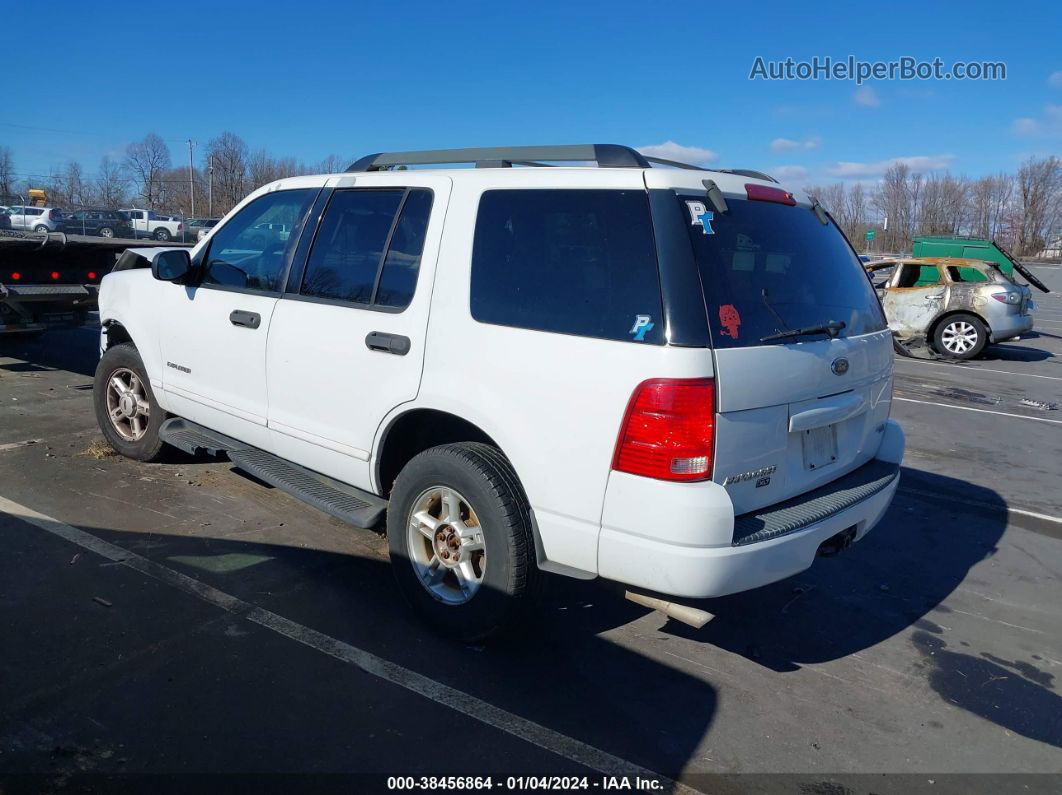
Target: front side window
(363,254)
(244,253)
(577,262)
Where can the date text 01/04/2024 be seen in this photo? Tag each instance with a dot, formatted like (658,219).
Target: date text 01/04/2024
(524,783)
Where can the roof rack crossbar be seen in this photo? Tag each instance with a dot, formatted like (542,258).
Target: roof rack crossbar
(605,155)
(673,163)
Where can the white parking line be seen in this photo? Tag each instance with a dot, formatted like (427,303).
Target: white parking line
(932,495)
(970,368)
(980,411)
(457,700)
(15,445)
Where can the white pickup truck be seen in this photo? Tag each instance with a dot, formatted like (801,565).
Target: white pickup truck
(147,223)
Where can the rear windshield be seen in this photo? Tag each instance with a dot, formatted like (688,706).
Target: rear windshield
(769,267)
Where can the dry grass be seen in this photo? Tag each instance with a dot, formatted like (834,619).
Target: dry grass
(98,450)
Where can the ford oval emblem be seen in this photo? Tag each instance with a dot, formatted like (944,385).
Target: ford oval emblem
(839,366)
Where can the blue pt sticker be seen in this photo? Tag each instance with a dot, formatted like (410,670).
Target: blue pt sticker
(642,324)
(701,216)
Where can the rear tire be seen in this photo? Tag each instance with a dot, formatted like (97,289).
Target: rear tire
(473,508)
(130,424)
(41,229)
(960,336)
(106,231)
(162,234)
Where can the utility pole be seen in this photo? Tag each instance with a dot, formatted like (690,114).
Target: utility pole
(191,177)
(210,185)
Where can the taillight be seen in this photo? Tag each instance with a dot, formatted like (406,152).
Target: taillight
(668,431)
(765,193)
(1007,298)
(180,227)
(55,276)
(16,276)
(92,276)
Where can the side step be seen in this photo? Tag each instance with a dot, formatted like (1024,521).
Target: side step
(347,503)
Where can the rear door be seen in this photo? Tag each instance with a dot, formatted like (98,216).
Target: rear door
(796,412)
(347,341)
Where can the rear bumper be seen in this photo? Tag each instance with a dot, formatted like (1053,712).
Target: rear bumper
(1007,326)
(679,566)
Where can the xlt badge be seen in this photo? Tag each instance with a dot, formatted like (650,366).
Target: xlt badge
(179,367)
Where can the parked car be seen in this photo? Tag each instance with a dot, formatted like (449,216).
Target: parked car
(677,379)
(148,223)
(5,219)
(198,228)
(956,306)
(35,219)
(98,222)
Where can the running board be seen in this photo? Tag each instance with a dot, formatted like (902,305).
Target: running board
(347,503)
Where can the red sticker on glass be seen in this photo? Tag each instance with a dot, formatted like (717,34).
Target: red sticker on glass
(731,320)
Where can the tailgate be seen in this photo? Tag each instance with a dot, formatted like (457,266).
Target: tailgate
(829,424)
(803,356)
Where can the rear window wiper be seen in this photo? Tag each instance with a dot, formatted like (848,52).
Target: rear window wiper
(831,327)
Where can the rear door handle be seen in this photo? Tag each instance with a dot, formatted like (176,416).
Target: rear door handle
(241,318)
(387,343)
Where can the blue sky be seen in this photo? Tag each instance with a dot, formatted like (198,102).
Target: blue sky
(311,79)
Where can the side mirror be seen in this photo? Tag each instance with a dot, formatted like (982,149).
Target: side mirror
(172,265)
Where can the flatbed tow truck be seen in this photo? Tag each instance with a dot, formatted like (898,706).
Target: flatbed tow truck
(53,279)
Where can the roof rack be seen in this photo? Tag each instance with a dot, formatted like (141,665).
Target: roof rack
(605,155)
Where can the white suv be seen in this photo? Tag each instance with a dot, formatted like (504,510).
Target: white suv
(35,219)
(674,378)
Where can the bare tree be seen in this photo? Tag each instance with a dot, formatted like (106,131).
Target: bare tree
(228,153)
(7,174)
(333,164)
(1039,182)
(111,184)
(68,188)
(146,161)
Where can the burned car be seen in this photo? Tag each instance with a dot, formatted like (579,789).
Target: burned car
(951,306)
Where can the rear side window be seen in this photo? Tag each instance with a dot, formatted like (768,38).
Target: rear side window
(368,248)
(767,268)
(577,262)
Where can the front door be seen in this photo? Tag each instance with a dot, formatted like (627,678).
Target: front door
(346,344)
(214,336)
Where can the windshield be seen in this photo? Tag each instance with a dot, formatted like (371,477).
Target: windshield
(768,268)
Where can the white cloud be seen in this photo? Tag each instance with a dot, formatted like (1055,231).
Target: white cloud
(867,97)
(789,145)
(853,170)
(789,173)
(669,150)
(1055,80)
(1050,123)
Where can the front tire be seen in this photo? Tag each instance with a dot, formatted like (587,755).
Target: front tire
(125,405)
(960,336)
(460,540)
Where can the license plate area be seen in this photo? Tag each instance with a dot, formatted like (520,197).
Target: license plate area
(820,446)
